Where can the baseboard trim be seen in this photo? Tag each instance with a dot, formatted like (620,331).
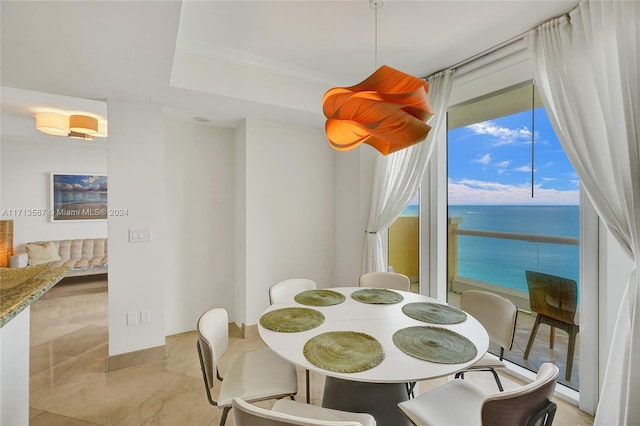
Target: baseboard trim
(131,359)
(249,331)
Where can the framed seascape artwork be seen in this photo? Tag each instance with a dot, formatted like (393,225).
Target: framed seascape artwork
(78,196)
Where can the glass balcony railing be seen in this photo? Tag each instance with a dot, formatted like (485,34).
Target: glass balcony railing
(475,263)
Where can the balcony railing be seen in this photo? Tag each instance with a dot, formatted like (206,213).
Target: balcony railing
(403,255)
(458,284)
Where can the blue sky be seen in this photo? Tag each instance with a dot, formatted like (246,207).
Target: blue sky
(490,163)
(84,183)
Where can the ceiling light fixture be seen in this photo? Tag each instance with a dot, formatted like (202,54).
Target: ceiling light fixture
(78,135)
(75,126)
(389,110)
(102,130)
(83,124)
(52,123)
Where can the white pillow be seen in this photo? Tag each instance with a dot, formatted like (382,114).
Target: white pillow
(39,254)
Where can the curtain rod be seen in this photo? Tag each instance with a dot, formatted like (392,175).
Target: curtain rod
(489,51)
(497,47)
(482,54)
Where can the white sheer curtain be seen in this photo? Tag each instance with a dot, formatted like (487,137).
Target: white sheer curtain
(397,176)
(587,68)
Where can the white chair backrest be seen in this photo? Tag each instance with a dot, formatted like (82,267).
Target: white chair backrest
(390,280)
(245,414)
(284,291)
(213,340)
(514,407)
(496,314)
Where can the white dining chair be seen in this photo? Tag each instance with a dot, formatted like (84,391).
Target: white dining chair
(285,291)
(390,280)
(254,376)
(287,412)
(499,317)
(460,403)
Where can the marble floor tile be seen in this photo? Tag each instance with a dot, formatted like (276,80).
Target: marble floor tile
(40,361)
(89,341)
(50,419)
(43,331)
(180,402)
(64,379)
(180,360)
(113,396)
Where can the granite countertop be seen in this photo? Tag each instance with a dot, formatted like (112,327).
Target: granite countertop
(20,287)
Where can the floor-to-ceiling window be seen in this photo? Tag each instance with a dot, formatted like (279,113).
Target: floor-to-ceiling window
(513,206)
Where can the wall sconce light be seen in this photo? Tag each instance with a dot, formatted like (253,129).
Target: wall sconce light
(6,242)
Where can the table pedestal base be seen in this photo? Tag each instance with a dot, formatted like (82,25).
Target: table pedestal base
(378,399)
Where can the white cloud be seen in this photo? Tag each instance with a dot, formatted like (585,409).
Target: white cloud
(468,191)
(485,159)
(503,135)
(502,166)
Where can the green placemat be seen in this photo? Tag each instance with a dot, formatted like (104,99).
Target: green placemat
(319,298)
(435,344)
(344,351)
(291,320)
(377,296)
(434,313)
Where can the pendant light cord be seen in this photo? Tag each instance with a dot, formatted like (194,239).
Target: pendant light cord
(375,43)
(375,5)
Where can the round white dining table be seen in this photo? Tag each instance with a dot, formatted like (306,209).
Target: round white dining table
(378,389)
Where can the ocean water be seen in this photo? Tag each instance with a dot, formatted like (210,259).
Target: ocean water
(504,262)
(65,197)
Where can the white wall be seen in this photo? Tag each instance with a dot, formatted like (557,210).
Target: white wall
(289,209)
(200,210)
(136,155)
(26,165)
(353,179)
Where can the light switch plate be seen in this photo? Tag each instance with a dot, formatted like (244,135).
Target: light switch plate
(132,318)
(139,235)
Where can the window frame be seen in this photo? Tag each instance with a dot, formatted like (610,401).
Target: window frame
(510,70)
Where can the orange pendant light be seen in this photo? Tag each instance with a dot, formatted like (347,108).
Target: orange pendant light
(389,111)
